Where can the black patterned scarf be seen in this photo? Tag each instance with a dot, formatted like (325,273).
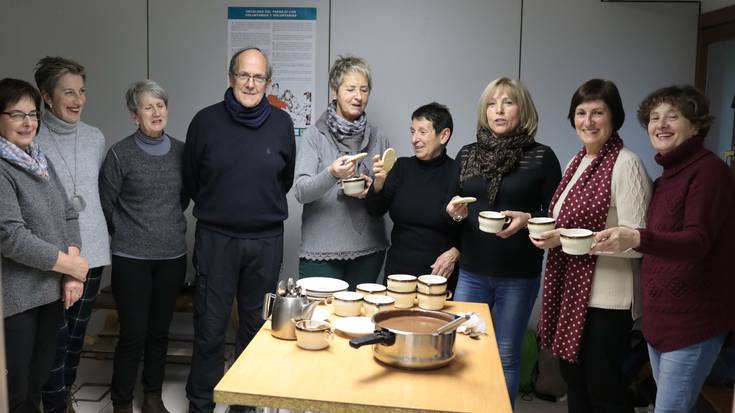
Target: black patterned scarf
(494,157)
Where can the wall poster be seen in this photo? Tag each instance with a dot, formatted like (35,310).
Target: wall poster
(288,36)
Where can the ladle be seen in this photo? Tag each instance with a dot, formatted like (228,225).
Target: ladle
(452,325)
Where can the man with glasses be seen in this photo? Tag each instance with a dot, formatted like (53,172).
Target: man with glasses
(238,166)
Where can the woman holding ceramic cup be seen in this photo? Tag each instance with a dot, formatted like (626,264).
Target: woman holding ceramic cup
(76,150)
(338,236)
(687,247)
(40,244)
(424,238)
(589,303)
(507,171)
(142,196)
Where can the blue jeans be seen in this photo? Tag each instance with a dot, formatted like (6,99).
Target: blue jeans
(679,374)
(511,301)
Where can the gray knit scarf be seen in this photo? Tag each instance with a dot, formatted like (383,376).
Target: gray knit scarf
(31,160)
(494,157)
(348,136)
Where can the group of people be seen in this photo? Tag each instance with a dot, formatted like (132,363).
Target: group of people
(67,210)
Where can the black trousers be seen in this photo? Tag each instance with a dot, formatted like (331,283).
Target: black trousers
(145,295)
(227,268)
(30,342)
(596,384)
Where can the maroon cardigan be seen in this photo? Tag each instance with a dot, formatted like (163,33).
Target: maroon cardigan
(688,273)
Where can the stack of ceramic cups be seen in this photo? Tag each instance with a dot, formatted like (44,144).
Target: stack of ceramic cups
(402,287)
(432,292)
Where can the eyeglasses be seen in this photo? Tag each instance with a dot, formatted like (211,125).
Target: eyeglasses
(246,77)
(18,116)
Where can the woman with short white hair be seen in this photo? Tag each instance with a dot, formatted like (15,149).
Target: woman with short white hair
(142,196)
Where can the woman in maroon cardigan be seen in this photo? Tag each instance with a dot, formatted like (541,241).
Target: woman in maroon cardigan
(687,279)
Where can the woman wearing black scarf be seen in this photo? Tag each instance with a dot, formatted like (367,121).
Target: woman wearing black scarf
(509,172)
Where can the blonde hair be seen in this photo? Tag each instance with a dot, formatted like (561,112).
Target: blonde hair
(516,91)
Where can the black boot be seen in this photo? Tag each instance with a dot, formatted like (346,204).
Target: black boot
(152,403)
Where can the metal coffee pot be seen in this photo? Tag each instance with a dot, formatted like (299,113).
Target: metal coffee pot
(282,309)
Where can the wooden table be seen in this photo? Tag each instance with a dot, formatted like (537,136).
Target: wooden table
(276,373)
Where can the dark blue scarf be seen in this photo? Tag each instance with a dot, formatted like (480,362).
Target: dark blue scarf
(250,117)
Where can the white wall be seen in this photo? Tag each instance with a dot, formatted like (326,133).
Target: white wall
(425,50)
(109,38)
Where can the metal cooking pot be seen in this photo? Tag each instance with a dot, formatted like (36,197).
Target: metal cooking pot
(408,339)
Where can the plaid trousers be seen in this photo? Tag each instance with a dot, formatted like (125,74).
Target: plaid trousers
(69,343)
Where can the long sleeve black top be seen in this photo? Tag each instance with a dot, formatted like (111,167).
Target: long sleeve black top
(528,188)
(415,195)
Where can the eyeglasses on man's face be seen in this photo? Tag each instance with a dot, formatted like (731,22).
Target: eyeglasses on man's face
(18,116)
(247,77)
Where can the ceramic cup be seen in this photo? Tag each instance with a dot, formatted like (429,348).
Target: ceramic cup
(403,299)
(371,289)
(432,284)
(402,283)
(374,303)
(576,241)
(539,225)
(492,221)
(313,334)
(433,301)
(353,186)
(346,303)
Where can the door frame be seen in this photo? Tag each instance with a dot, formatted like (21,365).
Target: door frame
(714,26)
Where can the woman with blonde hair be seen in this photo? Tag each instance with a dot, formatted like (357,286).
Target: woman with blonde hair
(507,171)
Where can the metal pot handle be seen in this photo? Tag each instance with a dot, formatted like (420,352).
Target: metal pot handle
(379,337)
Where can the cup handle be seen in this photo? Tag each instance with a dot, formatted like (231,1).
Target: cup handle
(330,336)
(507,220)
(341,185)
(449,295)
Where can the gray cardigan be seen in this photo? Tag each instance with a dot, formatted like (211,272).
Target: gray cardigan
(333,225)
(90,152)
(36,222)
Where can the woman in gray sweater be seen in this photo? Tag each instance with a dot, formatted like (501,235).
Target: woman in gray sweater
(142,198)
(39,240)
(338,236)
(76,150)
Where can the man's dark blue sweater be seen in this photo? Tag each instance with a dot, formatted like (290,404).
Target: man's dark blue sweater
(238,176)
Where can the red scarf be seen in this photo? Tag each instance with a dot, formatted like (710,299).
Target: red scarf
(568,278)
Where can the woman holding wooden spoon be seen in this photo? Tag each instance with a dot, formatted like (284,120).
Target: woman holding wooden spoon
(338,237)
(424,239)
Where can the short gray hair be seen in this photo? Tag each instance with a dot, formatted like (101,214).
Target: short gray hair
(138,89)
(348,64)
(233,62)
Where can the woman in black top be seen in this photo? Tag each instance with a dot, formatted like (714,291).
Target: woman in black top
(509,172)
(424,239)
